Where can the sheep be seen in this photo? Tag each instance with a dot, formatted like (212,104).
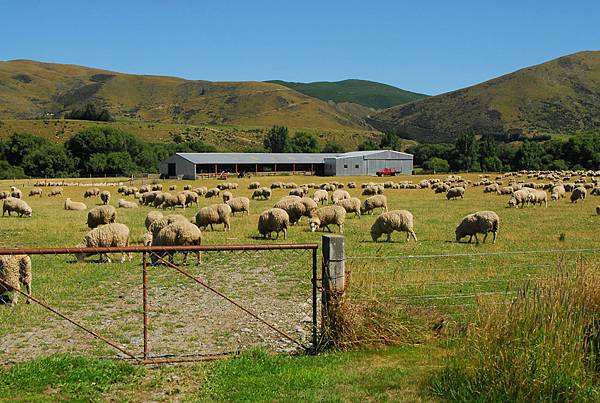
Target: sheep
(35,192)
(227,195)
(213,192)
(579,193)
(328,187)
(442,188)
(157,186)
(178,233)
(121,189)
(395,220)
(101,215)
(214,214)
(261,193)
(597,210)
(200,191)
(558,192)
(104,236)
(105,196)
(191,197)
(276,185)
(506,190)
(254,185)
(127,204)
(172,201)
(455,193)
(369,191)
(187,187)
(239,205)
(157,225)
(145,189)
(160,198)
(15,270)
(537,197)
(18,206)
(298,192)
(351,205)
(273,220)
(309,205)
(148,197)
(55,192)
(130,191)
(71,205)
(373,202)
(320,196)
(339,195)
(4,195)
(16,193)
(326,216)
(294,206)
(481,222)
(352,185)
(151,217)
(519,198)
(172,187)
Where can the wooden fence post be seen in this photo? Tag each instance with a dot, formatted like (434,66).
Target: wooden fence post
(334,286)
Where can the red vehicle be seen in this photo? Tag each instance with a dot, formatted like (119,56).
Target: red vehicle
(388,172)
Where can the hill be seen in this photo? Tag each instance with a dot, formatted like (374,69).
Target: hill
(366,93)
(31,90)
(561,96)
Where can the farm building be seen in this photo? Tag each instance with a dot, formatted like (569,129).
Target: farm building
(192,165)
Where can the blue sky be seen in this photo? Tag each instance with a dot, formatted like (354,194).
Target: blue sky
(423,46)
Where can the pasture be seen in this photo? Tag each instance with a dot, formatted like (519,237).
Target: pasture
(184,318)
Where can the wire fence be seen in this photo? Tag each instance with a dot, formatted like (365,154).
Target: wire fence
(453,285)
(234,297)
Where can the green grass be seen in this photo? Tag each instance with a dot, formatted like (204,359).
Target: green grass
(65,378)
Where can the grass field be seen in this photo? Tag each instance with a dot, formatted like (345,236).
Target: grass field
(427,289)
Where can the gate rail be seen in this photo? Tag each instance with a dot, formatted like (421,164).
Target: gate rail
(155,250)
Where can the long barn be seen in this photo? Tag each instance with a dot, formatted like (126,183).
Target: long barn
(193,165)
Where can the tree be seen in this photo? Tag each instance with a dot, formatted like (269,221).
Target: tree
(466,153)
(390,140)
(436,165)
(530,156)
(304,143)
(368,145)
(90,112)
(277,140)
(49,161)
(333,147)
(8,171)
(488,154)
(19,145)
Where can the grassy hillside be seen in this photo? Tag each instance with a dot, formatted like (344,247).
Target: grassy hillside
(560,96)
(366,93)
(30,89)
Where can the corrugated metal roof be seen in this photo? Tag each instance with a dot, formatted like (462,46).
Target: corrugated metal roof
(270,158)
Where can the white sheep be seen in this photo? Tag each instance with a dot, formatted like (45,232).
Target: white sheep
(158,224)
(105,196)
(390,221)
(227,195)
(339,195)
(519,198)
(558,192)
(16,193)
(18,206)
(254,185)
(294,206)
(76,206)
(273,220)
(104,236)
(537,197)
(15,270)
(101,215)
(35,192)
(127,204)
(213,192)
(455,193)
(261,193)
(373,202)
(239,205)
(172,201)
(55,192)
(151,217)
(351,205)
(579,193)
(320,196)
(482,222)
(325,216)
(178,233)
(214,214)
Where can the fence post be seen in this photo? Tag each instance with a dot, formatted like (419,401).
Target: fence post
(334,285)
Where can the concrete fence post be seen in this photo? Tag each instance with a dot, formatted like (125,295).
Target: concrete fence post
(334,286)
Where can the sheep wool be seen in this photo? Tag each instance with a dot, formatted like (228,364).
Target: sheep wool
(482,222)
(127,204)
(273,220)
(239,205)
(178,233)
(14,205)
(105,196)
(71,205)
(325,216)
(15,270)
(373,202)
(104,236)
(101,215)
(395,220)
(351,205)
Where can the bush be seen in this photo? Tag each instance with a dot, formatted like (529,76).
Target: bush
(90,112)
(542,346)
(436,165)
(333,147)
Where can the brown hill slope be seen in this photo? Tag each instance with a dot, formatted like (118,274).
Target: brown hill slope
(30,90)
(560,96)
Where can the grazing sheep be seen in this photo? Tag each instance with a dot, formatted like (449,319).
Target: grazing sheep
(239,205)
(187,187)
(442,188)
(373,202)
(352,185)
(493,188)
(128,191)
(151,217)
(227,195)
(328,187)
(276,185)
(172,187)
(558,192)
(14,271)
(537,197)
(351,205)
(157,186)
(309,205)
(104,236)
(105,196)
(294,206)
(71,205)
(178,233)
(160,198)
(172,201)
(320,196)
(35,192)
(157,225)
(579,193)
(507,190)
(300,192)
(145,189)
(127,204)
(4,195)
(339,195)
(55,192)
(482,222)
(254,185)
(273,220)
(262,193)
(191,197)
(326,216)
(369,191)
(16,193)
(18,206)
(121,189)
(455,193)
(519,198)
(213,214)
(101,215)
(395,220)
(213,192)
